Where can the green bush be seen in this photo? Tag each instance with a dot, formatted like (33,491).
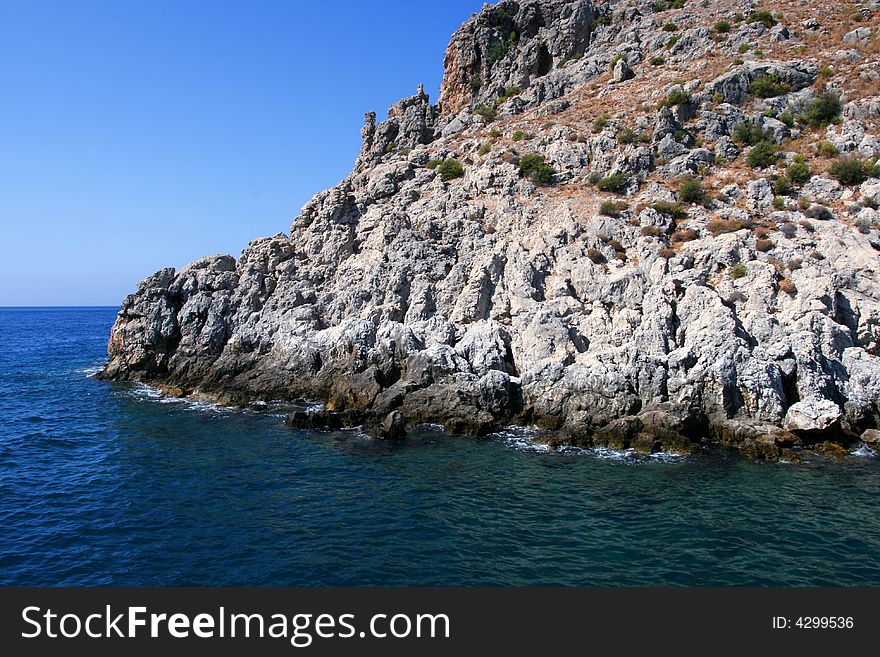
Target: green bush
(849,171)
(600,123)
(677,96)
(630,136)
(509,92)
(485,148)
(782,186)
(533,167)
(611,208)
(764,17)
(743,48)
(488,113)
(497,51)
(738,270)
(672,209)
(615,183)
(691,191)
(450,169)
(768,86)
(433,164)
(799,171)
(787,118)
(670,27)
(822,111)
(673,40)
(750,133)
(762,155)
(722,27)
(827,149)
(519,134)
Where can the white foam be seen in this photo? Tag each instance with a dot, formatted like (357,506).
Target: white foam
(864,451)
(522,439)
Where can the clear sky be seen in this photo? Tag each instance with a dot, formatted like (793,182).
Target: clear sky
(140,134)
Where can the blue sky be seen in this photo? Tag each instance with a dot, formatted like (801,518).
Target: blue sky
(137,135)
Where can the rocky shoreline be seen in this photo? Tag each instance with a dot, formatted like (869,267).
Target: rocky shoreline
(618,224)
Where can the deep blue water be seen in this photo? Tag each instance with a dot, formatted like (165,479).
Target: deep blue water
(107,484)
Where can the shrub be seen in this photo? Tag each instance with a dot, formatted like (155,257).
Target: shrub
(739,61)
(651,231)
(787,118)
(764,245)
(785,285)
(612,208)
(782,186)
(510,92)
(778,202)
(495,133)
(722,27)
(600,123)
(764,17)
(615,183)
(670,27)
(485,148)
(738,17)
(768,86)
(519,134)
(870,202)
(666,253)
(677,96)
(827,149)
(762,155)
(657,61)
(721,226)
(475,83)
(807,226)
(788,229)
(596,256)
(684,235)
(627,136)
(533,167)
(822,111)
(450,169)
(750,133)
(488,113)
(691,191)
(798,171)
(497,51)
(672,209)
(433,164)
(743,48)
(717,97)
(849,171)
(738,271)
(672,40)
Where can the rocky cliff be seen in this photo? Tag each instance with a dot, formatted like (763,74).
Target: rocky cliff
(636,224)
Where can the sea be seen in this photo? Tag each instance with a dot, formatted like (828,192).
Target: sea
(113,484)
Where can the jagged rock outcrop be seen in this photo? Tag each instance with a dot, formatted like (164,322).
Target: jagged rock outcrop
(626,313)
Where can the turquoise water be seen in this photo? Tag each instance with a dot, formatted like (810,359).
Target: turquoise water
(110,484)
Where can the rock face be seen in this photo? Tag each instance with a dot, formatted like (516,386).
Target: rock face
(650,319)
